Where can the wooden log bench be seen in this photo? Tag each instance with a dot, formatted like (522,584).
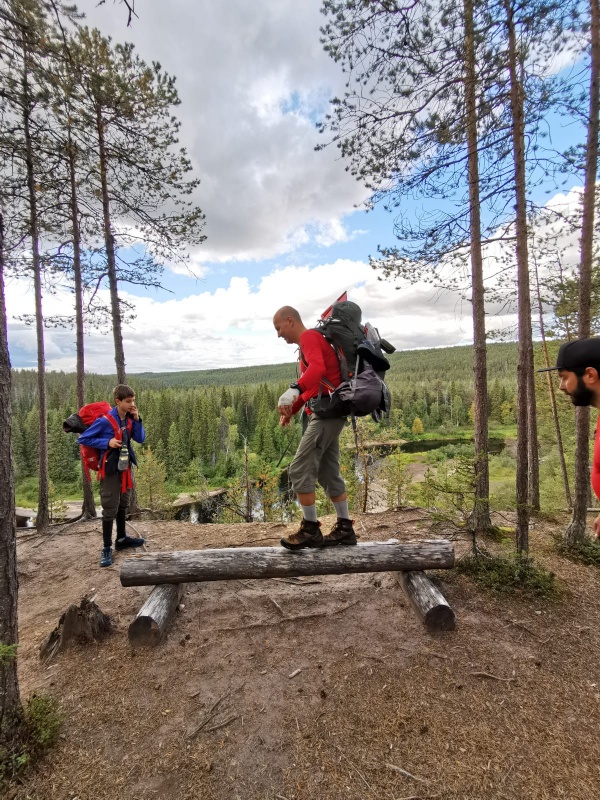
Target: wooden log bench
(408,559)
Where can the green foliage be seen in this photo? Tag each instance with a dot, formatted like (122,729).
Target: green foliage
(502,481)
(43,720)
(196,422)
(8,652)
(150,482)
(38,730)
(348,470)
(397,477)
(56,507)
(449,491)
(417,427)
(515,574)
(450,451)
(586,552)
(26,492)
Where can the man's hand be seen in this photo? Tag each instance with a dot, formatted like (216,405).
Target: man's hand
(114,443)
(288,398)
(135,413)
(597,527)
(284,405)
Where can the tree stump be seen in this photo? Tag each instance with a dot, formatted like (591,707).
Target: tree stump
(84,623)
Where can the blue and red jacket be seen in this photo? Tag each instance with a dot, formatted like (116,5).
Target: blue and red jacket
(100,433)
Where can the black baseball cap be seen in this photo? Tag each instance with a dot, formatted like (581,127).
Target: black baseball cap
(578,354)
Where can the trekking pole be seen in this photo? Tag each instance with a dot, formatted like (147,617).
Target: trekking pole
(287,447)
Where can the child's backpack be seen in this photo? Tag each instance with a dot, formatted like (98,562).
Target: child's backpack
(93,459)
(360,352)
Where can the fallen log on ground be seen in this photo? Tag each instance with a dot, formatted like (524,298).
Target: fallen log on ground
(427,600)
(272,562)
(153,618)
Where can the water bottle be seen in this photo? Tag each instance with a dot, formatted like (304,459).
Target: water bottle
(123,458)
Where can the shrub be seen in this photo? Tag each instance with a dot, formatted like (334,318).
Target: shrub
(40,723)
(515,574)
(586,552)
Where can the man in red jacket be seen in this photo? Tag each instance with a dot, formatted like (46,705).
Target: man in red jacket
(578,365)
(318,454)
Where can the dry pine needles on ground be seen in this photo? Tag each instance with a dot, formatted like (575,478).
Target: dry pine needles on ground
(302,689)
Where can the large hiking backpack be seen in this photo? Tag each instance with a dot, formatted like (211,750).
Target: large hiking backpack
(360,352)
(92,458)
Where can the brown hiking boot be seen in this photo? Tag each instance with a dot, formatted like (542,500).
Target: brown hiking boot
(308,535)
(341,533)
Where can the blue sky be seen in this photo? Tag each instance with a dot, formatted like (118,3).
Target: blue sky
(284,223)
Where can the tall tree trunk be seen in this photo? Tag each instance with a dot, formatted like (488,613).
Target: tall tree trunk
(576,529)
(110,255)
(480,519)
(43,514)
(525,358)
(88,509)
(552,393)
(10,703)
(248,516)
(533,473)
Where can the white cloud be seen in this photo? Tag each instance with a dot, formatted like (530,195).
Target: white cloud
(232,326)
(252,78)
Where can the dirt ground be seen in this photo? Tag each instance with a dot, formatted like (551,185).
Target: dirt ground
(298,689)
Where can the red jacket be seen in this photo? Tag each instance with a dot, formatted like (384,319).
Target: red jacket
(317,361)
(596,464)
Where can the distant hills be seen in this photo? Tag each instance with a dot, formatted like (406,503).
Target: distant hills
(412,367)
(431,365)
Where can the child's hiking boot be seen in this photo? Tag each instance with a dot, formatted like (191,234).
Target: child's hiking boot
(341,533)
(128,541)
(106,557)
(308,535)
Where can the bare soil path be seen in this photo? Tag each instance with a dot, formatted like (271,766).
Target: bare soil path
(302,689)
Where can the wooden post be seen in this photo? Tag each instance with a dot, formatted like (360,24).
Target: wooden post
(429,603)
(153,618)
(270,562)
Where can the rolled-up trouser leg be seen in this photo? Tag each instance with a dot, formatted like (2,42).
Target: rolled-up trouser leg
(317,458)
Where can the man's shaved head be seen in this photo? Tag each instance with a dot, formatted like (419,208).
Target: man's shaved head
(288,324)
(287,311)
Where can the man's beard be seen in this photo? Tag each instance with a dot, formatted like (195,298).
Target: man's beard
(582,396)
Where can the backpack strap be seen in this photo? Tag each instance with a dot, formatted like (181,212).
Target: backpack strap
(117,428)
(118,435)
(115,425)
(323,382)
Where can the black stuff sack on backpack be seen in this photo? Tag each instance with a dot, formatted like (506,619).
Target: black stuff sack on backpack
(363,364)
(357,397)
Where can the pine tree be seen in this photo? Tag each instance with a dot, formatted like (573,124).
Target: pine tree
(151,482)
(175,459)
(128,105)
(417,427)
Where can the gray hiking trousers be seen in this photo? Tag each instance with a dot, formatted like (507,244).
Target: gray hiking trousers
(110,496)
(317,458)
